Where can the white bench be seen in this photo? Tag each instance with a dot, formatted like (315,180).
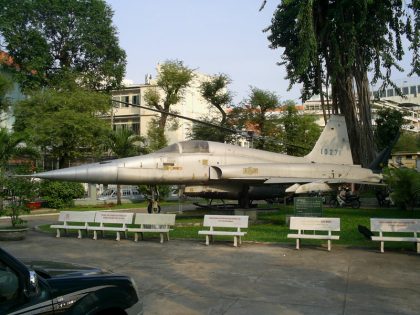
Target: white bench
(225,221)
(74,220)
(157,223)
(111,221)
(304,224)
(396,226)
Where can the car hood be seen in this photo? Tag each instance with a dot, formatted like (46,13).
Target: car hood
(52,269)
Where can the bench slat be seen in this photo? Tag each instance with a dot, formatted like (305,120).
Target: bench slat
(314,236)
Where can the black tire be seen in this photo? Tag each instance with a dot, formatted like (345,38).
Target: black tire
(355,204)
(150,209)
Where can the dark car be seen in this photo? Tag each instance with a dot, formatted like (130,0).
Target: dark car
(33,287)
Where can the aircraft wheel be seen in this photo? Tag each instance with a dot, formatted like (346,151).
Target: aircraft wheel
(150,209)
(355,204)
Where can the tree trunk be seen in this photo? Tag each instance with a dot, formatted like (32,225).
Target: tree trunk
(118,194)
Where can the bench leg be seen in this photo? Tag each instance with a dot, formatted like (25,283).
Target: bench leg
(235,241)
(136,237)
(118,236)
(418,248)
(161,238)
(125,234)
(329,245)
(240,240)
(167,236)
(297,243)
(382,247)
(207,240)
(58,233)
(65,232)
(79,234)
(95,235)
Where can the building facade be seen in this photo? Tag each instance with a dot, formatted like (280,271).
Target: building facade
(409,104)
(126,116)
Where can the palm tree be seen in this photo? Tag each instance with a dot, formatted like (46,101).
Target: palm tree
(124,143)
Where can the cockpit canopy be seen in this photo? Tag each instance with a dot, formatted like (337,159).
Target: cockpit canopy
(192,146)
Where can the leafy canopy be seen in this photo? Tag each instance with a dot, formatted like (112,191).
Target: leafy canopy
(47,38)
(63,124)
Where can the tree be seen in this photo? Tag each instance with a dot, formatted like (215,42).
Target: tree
(405,186)
(156,138)
(300,132)
(11,145)
(388,125)
(124,143)
(408,142)
(201,131)
(5,86)
(258,114)
(173,78)
(336,43)
(48,39)
(65,123)
(215,92)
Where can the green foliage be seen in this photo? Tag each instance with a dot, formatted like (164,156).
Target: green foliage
(205,132)
(300,132)
(215,92)
(408,142)
(18,191)
(62,122)
(5,86)
(156,138)
(60,194)
(47,39)
(124,143)
(388,124)
(257,114)
(173,78)
(405,186)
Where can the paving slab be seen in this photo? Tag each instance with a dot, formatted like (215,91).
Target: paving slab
(187,277)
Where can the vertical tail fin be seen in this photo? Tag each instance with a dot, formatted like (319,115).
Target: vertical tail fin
(333,145)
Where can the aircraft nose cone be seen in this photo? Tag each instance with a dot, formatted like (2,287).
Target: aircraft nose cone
(85,174)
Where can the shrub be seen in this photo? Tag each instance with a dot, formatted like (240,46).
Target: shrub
(60,194)
(405,186)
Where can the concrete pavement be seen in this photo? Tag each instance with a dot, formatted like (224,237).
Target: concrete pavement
(187,277)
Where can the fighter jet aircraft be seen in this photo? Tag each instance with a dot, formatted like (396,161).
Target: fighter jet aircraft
(223,171)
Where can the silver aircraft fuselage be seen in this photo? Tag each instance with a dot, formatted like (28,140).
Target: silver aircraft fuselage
(206,167)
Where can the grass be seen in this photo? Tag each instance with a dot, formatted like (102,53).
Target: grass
(271,226)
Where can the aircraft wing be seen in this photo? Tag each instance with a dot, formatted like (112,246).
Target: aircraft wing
(290,180)
(291,173)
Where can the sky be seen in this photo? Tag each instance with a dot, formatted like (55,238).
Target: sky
(217,36)
(212,36)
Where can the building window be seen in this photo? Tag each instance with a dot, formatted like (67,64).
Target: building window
(405,90)
(382,93)
(135,99)
(413,90)
(126,100)
(418,89)
(390,92)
